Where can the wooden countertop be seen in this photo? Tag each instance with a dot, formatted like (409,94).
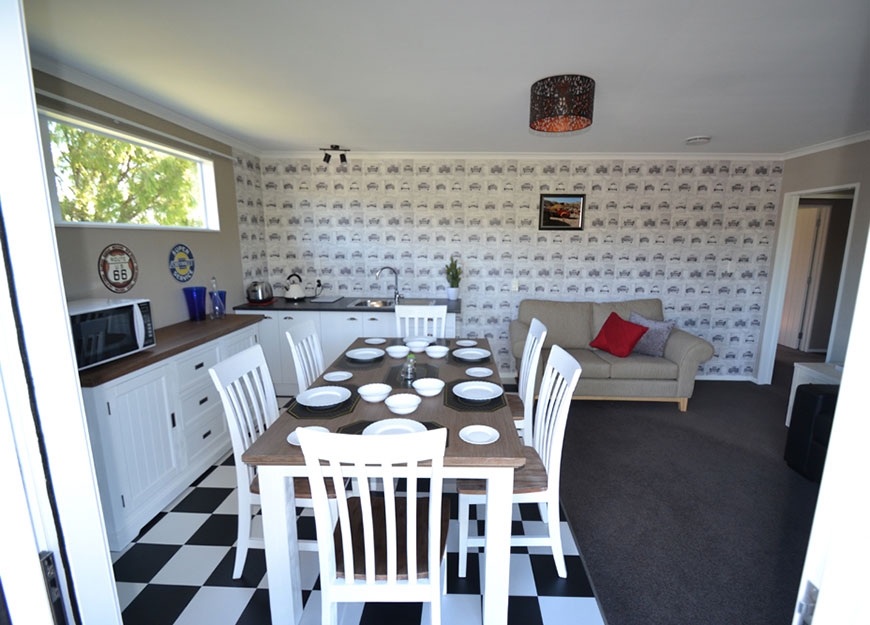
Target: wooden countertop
(171,340)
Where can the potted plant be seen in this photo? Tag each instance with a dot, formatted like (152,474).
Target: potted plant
(454,275)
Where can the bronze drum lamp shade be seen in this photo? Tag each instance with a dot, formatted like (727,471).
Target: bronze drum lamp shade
(562,103)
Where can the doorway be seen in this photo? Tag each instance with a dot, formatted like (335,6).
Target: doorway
(838,327)
(818,248)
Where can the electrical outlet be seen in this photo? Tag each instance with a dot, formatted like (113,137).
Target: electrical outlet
(807,605)
(515,285)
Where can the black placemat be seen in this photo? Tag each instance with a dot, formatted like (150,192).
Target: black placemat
(463,405)
(423,370)
(346,407)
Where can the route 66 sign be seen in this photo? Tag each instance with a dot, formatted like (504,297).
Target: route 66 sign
(118,268)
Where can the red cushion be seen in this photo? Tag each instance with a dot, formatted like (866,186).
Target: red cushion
(618,336)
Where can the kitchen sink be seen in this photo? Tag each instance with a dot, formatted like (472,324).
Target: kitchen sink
(388,303)
(373,303)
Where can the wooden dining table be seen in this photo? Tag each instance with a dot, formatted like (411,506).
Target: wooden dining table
(278,461)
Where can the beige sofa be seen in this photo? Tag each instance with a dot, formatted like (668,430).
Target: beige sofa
(637,377)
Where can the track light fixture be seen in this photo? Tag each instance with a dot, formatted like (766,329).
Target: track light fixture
(327,156)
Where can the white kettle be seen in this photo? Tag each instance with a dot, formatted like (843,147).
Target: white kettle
(294,290)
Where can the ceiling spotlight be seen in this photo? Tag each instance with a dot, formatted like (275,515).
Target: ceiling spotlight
(334,147)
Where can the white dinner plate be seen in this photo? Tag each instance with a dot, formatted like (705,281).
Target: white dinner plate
(375,341)
(365,354)
(466,343)
(394,426)
(293,437)
(471,354)
(477,390)
(337,376)
(478,372)
(323,396)
(428,339)
(478,434)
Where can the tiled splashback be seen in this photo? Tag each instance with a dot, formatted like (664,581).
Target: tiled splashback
(697,234)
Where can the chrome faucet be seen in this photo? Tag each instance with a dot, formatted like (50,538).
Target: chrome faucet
(396,295)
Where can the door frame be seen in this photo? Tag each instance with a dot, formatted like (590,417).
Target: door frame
(779,273)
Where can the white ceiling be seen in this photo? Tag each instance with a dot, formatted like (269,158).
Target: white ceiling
(280,76)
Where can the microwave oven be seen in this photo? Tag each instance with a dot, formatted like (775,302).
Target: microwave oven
(107,329)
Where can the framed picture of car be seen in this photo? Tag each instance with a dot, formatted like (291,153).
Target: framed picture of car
(561,211)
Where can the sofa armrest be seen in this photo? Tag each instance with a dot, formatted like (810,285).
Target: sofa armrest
(517,331)
(688,351)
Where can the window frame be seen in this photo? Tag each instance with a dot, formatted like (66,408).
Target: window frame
(205,165)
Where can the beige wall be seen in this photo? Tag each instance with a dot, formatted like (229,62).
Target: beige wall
(839,167)
(215,253)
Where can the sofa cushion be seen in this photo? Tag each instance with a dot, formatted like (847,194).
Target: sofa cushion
(649,308)
(568,323)
(591,362)
(640,367)
(618,336)
(652,343)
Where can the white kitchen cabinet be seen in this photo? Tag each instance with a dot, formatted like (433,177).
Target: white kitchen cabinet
(138,452)
(155,430)
(338,330)
(379,324)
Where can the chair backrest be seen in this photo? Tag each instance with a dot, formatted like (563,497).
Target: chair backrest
(362,459)
(528,372)
(307,353)
(249,402)
(558,382)
(414,320)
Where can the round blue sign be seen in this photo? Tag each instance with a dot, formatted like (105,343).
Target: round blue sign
(181,263)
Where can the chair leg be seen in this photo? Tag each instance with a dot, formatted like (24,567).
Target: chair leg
(243,537)
(463,534)
(556,538)
(328,612)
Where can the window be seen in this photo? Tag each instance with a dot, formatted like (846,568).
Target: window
(104,177)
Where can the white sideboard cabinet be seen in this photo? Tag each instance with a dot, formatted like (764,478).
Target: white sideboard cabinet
(155,430)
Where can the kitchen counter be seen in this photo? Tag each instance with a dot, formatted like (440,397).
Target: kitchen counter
(344,304)
(171,340)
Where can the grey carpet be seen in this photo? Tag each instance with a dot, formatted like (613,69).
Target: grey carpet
(689,517)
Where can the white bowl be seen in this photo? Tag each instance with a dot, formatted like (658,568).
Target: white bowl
(437,351)
(398,351)
(428,387)
(375,392)
(417,346)
(403,403)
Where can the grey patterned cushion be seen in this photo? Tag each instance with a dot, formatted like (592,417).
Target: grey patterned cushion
(652,343)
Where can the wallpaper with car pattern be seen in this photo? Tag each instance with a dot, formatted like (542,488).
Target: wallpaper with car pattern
(696,233)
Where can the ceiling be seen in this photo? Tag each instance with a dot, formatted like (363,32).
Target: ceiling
(281,76)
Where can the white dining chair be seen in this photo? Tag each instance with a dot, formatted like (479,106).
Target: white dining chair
(522,402)
(250,407)
(386,547)
(412,320)
(307,353)
(538,480)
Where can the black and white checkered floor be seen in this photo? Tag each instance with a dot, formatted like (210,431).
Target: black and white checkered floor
(179,571)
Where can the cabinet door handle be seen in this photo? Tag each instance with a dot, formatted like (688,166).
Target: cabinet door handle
(268,316)
(288,318)
(203,400)
(199,365)
(352,319)
(206,435)
(173,419)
